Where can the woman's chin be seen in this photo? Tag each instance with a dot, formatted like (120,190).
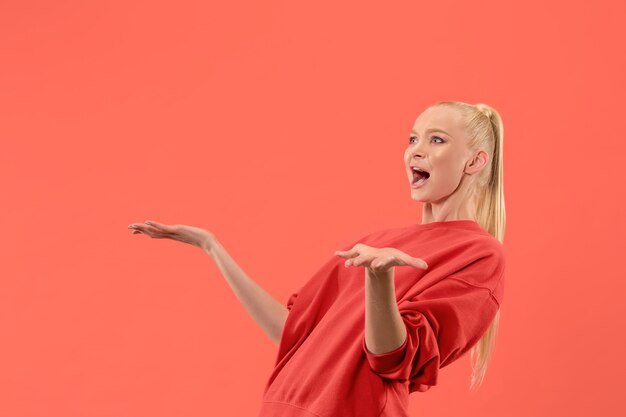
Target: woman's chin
(418,199)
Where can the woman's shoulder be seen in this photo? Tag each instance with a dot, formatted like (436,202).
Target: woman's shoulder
(483,264)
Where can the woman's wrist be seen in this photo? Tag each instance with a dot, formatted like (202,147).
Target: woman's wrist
(209,244)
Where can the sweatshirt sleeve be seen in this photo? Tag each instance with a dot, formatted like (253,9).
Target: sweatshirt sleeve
(442,323)
(332,262)
(291,300)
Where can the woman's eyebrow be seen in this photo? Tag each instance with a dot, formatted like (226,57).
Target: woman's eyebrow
(433,129)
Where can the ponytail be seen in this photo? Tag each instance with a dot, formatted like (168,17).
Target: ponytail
(485,130)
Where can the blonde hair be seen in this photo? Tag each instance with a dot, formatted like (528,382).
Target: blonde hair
(485,131)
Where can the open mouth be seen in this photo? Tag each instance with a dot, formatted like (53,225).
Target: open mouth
(419,176)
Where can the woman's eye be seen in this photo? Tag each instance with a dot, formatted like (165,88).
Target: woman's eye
(434,137)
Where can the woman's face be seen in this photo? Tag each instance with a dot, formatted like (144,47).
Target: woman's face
(438,145)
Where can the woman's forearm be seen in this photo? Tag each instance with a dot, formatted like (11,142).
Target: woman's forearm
(385,330)
(268,312)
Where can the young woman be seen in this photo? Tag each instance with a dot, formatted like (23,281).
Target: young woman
(360,335)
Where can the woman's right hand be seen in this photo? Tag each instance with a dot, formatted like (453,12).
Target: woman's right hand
(195,236)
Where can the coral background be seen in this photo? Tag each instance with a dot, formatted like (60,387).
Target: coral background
(280,126)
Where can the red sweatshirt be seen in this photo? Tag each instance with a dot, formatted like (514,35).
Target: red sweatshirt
(323,367)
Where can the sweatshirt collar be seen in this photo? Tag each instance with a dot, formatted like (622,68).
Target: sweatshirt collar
(463,224)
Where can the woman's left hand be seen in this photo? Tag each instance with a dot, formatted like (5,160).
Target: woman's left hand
(379,259)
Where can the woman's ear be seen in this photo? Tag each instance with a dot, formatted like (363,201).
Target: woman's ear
(478,162)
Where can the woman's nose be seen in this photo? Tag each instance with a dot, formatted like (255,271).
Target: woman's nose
(416,153)
(416,149)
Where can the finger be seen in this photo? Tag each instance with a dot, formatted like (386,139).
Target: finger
(350,262)
(141,226)
(157,225)
(419,263)
(146,230)
(400,259)
(347,253)
(357,260)
(160,228)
